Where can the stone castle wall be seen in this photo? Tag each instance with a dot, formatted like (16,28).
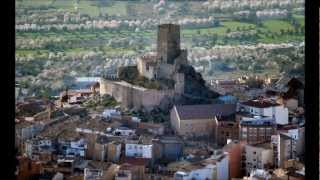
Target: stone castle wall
(144,69)
(133,96)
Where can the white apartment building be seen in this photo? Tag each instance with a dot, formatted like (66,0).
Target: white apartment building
(258,156)
(266,108)
(284,148)
(138,150)
(214,168)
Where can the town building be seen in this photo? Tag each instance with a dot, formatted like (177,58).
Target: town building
(167,148)
(92,174)
(134,167)
(297,133)
(123,131)
(114,151)
(258,156)
(257,129)
(100,148)
(257,174)
(235,150)
(27,167)
(264,107)
(212,168)
(26,130)
(64,165)
(111,113)
(227,129)
(98,170)
(224,86)
(73,148)
(198,120)
(284,148)
(156,129)
(39,149)
(291,103)
(75,96)
(136,148)
(107,149)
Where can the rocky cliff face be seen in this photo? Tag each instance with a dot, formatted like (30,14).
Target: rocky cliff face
(196,91)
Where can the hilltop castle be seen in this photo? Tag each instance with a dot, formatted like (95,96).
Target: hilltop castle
(168,64)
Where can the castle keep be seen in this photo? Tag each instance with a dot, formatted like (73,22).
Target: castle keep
(162,65)
(169,57)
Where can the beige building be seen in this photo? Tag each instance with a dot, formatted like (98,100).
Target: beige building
(257,129)
(106,149)
(259,156)
(100,170)
(198,120)
(100,148)
(290,103)
(114,151)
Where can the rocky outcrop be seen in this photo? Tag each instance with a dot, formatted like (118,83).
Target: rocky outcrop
(195,91)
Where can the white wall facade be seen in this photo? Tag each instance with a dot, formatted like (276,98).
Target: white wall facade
(139,150)
(280,113)
(257,157)
(124,132)
(223,169)
(208,172)
(174,119)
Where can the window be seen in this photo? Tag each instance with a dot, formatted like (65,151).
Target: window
(244,135)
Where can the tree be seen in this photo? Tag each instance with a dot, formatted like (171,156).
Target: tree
(214,39)
(228,30)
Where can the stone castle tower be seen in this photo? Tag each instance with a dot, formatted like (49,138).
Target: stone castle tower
(168,43)
(164,64)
